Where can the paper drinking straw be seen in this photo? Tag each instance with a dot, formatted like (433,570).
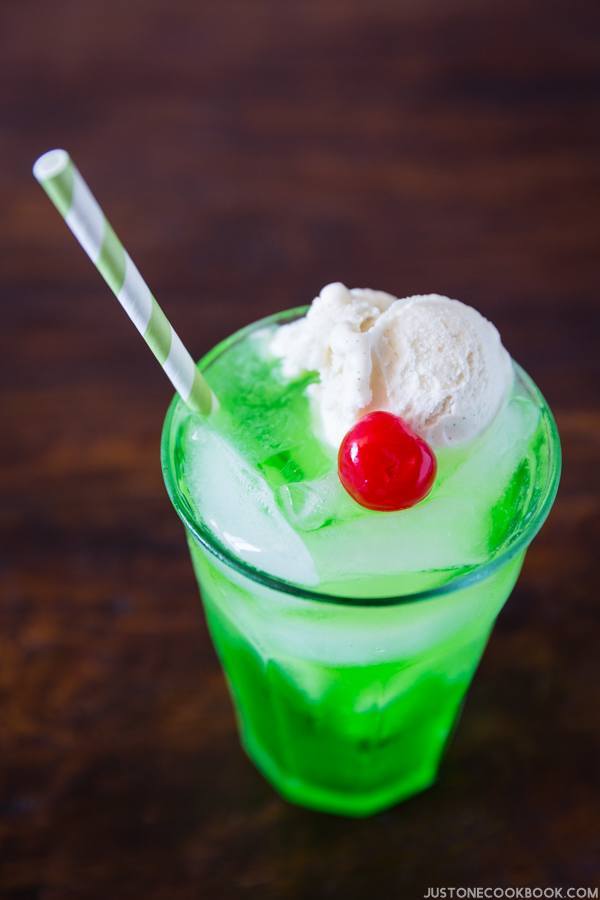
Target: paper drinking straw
(59,177)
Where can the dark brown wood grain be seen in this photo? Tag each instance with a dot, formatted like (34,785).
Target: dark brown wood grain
(249,152)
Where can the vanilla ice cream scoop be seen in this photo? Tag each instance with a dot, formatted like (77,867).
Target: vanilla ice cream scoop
(435,362)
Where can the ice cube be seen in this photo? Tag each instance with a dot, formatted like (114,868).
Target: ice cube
(438,534)
(239,507)
(310,505)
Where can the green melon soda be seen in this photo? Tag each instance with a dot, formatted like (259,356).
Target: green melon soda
(349,636)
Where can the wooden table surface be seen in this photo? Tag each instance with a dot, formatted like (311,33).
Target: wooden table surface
(250,152)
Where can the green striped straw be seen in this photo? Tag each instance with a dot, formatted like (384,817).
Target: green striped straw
(59,177)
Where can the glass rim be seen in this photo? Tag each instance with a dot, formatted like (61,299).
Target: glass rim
(203,535)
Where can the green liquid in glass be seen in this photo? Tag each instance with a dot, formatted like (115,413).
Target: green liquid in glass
(348,637)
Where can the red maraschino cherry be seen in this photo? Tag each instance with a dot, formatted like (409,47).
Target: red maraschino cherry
(384,465)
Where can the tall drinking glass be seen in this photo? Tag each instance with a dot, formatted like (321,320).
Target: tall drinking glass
(346,703)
